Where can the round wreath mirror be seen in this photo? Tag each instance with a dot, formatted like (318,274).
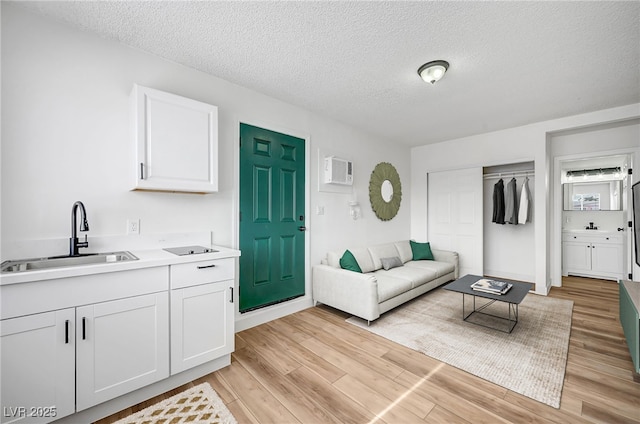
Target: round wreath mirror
(385,191)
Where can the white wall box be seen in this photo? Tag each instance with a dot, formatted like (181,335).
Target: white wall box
(338,171)
(176,142)
(593,255)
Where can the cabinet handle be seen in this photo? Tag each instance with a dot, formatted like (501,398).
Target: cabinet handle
(231,299)
(66,332)
(84,327)
(141,171)
(206,266)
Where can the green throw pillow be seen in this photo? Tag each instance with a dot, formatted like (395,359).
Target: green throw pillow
(421,251)
(348,261)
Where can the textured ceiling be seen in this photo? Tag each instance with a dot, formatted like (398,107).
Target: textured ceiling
(512,63)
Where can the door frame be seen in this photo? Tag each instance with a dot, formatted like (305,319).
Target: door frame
(556,231)
(269,313)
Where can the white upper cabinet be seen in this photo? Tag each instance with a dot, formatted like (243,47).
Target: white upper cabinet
(176,142)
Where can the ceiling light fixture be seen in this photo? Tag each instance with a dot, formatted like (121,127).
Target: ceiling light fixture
(433,71)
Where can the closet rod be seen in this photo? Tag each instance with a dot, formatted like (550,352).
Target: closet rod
(508,174)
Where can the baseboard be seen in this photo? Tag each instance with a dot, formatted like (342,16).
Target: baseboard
(260,316)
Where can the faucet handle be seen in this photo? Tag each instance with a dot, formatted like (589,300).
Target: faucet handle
(84,243)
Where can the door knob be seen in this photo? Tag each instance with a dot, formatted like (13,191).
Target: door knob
(302,228)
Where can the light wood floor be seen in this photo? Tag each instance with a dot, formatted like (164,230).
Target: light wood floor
(312,367)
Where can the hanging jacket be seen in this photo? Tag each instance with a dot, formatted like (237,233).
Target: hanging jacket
(498,202)
(511,203)
(524,214)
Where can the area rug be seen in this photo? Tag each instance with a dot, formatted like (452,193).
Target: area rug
(530,361)
(199,404)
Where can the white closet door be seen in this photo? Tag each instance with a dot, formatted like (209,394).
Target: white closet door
(454,215)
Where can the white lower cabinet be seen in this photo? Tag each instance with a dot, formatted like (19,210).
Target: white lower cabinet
(201,324)
(577,257)
(38,367)
(202,321)
(74,343)
(122,346)
(100,336)
(599,256)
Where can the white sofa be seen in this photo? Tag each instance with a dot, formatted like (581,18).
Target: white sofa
(376,290)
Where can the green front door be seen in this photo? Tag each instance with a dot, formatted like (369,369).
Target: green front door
(272,221)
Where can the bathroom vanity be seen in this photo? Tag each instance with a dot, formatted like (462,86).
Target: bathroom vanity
(593,253)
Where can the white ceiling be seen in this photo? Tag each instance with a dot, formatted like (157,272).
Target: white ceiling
(512,63)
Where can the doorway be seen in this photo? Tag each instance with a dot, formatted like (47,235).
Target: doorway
(272,220)
(595,207)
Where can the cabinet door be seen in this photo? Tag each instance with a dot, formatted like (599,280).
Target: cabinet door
(38,367)
(122,345)
(202,324)
(576,257)
(177,142)
(606,259)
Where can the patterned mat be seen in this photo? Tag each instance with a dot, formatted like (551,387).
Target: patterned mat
(199,404)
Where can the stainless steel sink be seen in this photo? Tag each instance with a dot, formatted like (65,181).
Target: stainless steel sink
(66,261)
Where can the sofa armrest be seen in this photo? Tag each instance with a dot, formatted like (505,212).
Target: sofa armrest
(348,291)
(448,256)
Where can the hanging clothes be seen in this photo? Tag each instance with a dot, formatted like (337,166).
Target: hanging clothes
(524,214)
(498,202)
(511,203)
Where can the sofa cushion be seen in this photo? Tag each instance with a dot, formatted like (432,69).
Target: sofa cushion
(380,251)
(363,257)
(390,286)
(390,263)
(333,259)
(421,251)
(416,276)
(440,268)
(404,249)
(347,261)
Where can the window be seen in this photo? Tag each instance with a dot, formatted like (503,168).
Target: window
(586,202)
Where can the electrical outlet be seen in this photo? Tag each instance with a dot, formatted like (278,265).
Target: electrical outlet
(133,226)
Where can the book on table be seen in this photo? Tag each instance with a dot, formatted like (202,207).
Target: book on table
(491,286)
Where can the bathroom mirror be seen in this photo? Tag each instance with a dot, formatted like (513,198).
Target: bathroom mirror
(593,196)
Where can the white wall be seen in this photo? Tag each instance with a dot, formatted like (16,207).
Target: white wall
(530,142)
(65,137)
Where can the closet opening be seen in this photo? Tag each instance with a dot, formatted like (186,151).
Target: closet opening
(508,224)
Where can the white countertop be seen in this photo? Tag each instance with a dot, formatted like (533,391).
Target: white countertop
(146,259)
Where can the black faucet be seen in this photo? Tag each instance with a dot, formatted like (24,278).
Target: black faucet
(74,244)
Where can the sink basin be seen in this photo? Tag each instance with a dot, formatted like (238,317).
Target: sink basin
(66,261)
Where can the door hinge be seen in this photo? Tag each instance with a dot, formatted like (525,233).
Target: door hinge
(630,224)
(630,171)
(630,276)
